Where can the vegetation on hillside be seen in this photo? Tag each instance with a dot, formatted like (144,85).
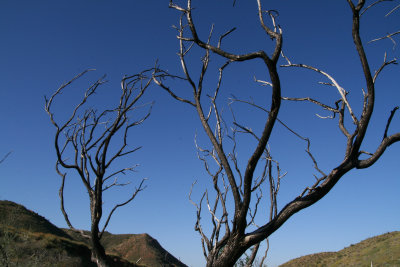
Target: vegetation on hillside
(24,248)
(28,239)
(382,250)
(136,248)
(19,217)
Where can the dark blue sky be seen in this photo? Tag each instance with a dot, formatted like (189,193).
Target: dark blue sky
(45,43)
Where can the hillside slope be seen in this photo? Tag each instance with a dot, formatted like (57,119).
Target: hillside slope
(28,239)
(138,248)
(382,250)
(19,247)
(17,216)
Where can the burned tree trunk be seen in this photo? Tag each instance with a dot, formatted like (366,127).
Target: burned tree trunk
(238,190)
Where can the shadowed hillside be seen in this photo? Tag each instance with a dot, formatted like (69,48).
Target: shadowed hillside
(28,239)
(18,216)
(382,250)
(20,247)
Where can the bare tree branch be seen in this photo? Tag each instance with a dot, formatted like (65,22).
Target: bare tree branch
(340,89)
(388,36)
(373,4)
(384,64)
(393,10)
(137,190)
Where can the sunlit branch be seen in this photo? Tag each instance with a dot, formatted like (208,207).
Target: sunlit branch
(373,4)
(341,91)
(388,36)
(393,10)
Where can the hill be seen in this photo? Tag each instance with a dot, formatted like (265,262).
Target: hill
(382,250)
(28,239)
(138,248)
(17,216)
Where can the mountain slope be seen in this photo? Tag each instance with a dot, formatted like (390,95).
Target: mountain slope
(19,217)
(20,247)
(143,249)
(382,250)
(28,239)
(137,248)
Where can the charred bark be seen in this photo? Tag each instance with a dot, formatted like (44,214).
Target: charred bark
(231,235)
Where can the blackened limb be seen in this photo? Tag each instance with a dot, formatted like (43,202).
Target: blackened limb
(242,195)
(137,190)
(389,121)
(384,64)
(224,247)
(352,150)
(86,142)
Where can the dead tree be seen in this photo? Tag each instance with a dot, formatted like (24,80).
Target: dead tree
(89,141)
(234,230)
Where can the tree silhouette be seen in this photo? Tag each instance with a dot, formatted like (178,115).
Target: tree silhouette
(86,144)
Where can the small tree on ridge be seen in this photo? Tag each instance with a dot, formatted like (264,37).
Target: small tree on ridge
(84,145)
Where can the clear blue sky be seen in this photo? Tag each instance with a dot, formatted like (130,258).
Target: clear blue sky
(45,43)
